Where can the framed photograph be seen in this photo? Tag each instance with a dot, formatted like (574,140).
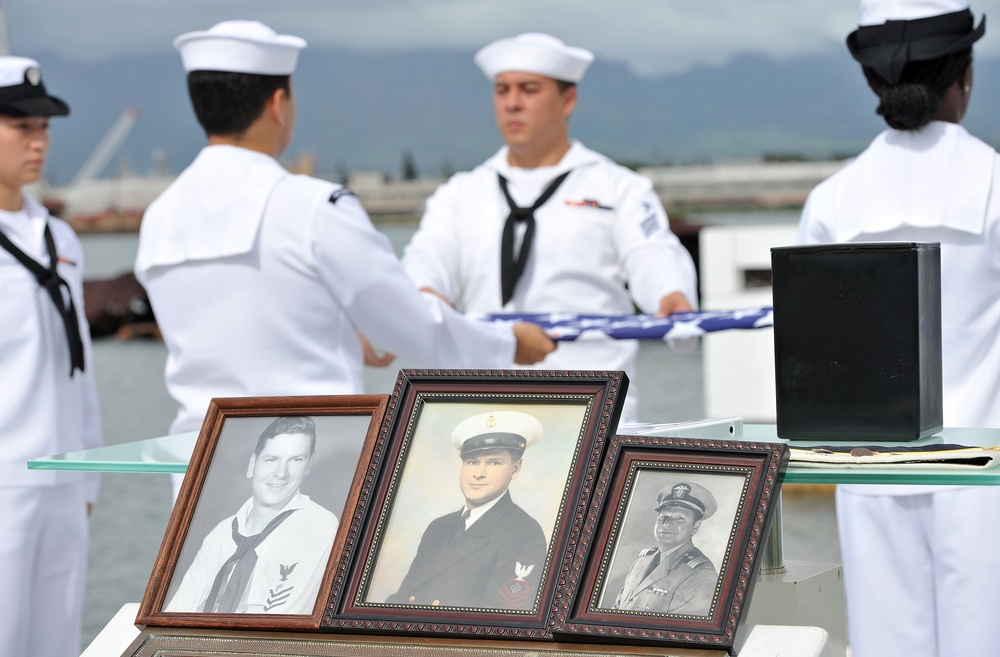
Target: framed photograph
(472,497)
(672,541)
(255,534)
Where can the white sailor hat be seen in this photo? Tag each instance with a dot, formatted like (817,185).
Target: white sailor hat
(22,92)
(509,430)
(240,47)
(534,52)
(688,495)
(876,12)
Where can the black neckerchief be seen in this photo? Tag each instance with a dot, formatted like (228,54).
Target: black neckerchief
(49,279)
(511,268)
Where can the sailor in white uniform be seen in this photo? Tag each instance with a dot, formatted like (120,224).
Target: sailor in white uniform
(49,400)
(260,279)
(921,562)
(546,224)
(270,557)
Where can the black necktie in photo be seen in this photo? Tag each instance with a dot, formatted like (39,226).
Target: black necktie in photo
(226,594)
(511,268)
(53,283)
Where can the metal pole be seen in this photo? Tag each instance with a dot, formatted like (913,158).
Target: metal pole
(774,559)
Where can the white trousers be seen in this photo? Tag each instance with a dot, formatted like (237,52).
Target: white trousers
(43,570)
(922,572)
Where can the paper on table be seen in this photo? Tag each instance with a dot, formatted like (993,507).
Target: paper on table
(938,456)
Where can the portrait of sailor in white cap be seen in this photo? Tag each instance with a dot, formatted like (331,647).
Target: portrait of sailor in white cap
(269,557)
(674,577)
(490,553)
(921,562)
(260,279)
(546,224)
(49,403)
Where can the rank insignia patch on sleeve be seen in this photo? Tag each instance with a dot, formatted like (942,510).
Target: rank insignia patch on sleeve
(339,193)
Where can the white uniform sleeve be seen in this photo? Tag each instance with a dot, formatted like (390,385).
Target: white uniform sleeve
(812,227)
(358,265)
(655,262)
(433,255)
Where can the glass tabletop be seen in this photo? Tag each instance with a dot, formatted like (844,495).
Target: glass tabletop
(170,454)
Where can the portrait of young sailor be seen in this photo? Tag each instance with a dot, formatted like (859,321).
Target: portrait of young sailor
(270,556)
(490,553)
(674,576)
(546,224)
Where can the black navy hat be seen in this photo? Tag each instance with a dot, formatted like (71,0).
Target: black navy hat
(688,495)
(510,430)
(892,33)
(22,92)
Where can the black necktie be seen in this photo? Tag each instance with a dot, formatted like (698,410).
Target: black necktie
(53,284)
(459,528)
(241,565)
(511,268)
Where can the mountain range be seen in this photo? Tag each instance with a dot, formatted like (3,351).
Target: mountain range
(375,110)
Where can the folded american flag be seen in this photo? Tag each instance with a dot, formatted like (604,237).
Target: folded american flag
(679,326)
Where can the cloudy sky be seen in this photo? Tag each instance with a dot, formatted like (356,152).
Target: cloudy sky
(652,36)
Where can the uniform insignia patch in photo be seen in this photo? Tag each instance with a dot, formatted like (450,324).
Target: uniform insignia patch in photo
(286,571)
(515,590)
(33,75)
(277,596)
(338,194)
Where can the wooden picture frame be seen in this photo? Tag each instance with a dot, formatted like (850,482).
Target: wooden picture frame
(672,543)
(404,568)
(273,474)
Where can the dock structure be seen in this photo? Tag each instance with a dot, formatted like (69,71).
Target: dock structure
(117,203)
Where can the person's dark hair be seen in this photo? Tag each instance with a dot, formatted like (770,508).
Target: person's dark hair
(228,103)
(564,85)
(916,100)
(282,425)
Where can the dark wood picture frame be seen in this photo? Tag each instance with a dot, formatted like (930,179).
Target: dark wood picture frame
(577,410)
(613,592)
(346,427)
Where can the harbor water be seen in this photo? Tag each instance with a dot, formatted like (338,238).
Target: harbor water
(132,511)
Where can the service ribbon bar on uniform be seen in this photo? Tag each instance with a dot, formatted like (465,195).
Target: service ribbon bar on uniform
(678,326)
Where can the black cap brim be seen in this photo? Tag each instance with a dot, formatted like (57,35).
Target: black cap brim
(34,106)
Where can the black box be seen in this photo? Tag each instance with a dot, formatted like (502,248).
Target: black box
(857,341)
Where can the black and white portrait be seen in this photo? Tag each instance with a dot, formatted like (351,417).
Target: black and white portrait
(672,542)
(260,536)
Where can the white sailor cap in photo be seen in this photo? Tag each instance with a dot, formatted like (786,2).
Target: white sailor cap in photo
(534,52)
(510,430)
(240,47)
(22,92)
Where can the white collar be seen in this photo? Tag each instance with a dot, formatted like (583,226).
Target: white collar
(938,176)
(578,155)
(478,512)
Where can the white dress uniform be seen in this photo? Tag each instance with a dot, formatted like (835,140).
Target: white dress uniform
(602,230)
(43,411)
(289,567)
(921,563)
(261,279)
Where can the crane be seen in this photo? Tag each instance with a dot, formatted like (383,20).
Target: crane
(108,146)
